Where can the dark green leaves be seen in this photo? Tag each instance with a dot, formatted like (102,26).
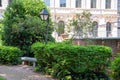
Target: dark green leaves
(10,55)
(70,61)
(23,26)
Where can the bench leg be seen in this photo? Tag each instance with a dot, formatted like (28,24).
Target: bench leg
(34,64)
(24,62)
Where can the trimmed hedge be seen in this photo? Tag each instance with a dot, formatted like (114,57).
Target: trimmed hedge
(115,67)
(9,55)
(71,62)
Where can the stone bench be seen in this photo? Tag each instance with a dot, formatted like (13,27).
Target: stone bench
(29,59)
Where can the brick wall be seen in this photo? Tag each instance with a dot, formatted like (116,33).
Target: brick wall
(114,43)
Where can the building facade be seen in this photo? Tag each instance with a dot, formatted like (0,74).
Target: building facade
(118,12)
(3,5)
(106,14)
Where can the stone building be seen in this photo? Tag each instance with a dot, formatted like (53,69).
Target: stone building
(3,5)
(104,14)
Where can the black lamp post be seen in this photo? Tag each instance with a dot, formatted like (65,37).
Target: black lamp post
(45,17)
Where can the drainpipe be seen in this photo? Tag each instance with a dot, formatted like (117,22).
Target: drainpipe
(118,20)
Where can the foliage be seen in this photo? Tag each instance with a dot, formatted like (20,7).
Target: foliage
(70,62)
(115,67)
(83,25)
(9,55)
(1,31)
(69,41)
(23,26)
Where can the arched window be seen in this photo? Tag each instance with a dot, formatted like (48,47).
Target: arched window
(108,29)
(95,29)
(93,3)
(0,2)
(108,4)
(78,3)
(61,26)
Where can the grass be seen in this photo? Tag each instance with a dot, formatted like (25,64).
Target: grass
(1,78)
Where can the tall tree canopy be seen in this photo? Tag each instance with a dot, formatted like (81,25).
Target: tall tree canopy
(23,26)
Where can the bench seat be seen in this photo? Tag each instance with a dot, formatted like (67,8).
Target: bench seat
(29,59)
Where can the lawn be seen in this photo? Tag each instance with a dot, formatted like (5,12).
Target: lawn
(1,78)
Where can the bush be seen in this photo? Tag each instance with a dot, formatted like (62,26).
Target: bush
(70,62)
(9,55)
(115,67)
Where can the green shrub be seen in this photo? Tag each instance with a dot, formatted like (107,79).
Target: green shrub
(23,25)
(9,55)
(115,67)
(70,62)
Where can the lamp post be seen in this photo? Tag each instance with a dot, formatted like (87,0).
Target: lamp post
(45,17)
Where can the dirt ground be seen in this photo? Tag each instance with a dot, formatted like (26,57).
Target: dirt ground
(21,72)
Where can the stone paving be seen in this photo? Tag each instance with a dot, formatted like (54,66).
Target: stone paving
(21,72)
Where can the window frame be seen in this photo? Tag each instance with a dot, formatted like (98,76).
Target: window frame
(62,3)
(78,3)
(107,4)
(61,27)
(93,3)
(0,3)
(95,29)
(108,29)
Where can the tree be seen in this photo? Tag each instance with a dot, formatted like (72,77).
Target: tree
(83,25)
(23,26)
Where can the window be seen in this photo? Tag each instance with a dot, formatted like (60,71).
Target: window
(61,26)
(78,3)
(0,2)
(108,4)
(93,3)
(9,1)
(47,2)
(62,3)
(108,29)
(95,29)
(118,5)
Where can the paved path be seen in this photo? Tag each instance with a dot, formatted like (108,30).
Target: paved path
(21,73)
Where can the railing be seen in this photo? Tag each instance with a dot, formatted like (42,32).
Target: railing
(95,34)
(79,10)
(98,34)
